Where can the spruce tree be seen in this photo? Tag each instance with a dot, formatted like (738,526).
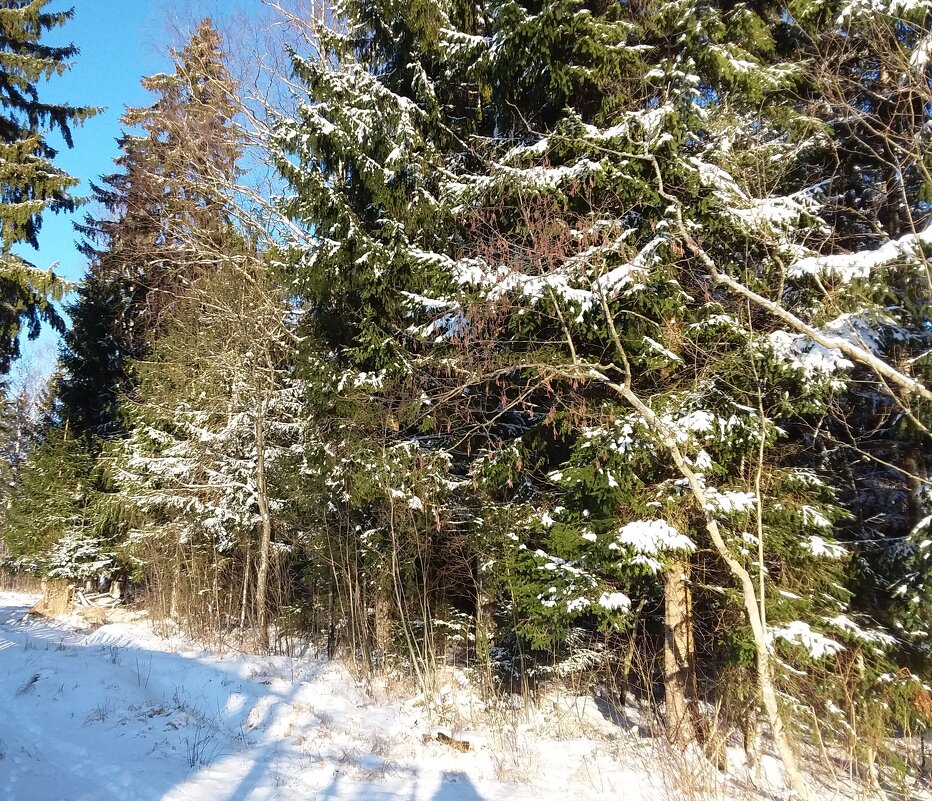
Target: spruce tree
(215,422)
(162,221)
(163,212)
(30,184)
(53,525)
(610,298)
(365,155)
(108,326)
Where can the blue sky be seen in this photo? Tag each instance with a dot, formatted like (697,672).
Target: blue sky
(120,42)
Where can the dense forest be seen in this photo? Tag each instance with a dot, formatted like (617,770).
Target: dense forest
(559,338)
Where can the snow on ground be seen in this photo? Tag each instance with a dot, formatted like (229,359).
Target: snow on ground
(121,714)
(124,714)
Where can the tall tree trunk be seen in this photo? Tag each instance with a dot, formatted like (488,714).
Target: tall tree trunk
(627,662)
(914,479)
(331,619)
(678,652)
(265,542)
(485,631)
(174,598)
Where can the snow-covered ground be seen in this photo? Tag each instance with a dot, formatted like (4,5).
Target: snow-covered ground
(123,714)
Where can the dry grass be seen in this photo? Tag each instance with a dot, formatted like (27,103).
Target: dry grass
(10,582)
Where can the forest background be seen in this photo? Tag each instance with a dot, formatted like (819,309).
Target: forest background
(555,338)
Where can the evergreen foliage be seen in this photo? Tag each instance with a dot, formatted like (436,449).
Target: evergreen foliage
(30,184)
(613,326)
(161,213)
(499,273)
(215,429)
(54,525)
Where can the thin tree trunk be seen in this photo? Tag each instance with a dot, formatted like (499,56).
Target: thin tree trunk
(331,619)
(485,632)
(485,620)
(173,611)
(382,608)
(265,544)
(215,605)
(914,479)
(628,660)
(677,652)
(245,596)
(750,730)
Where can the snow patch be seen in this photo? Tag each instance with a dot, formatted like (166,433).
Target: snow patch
(613,601)
(802,634)
(847,267)
(652,537)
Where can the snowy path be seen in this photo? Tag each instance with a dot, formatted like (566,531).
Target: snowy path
(123,715)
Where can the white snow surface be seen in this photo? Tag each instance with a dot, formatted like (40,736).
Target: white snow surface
(922,54)
(123,714)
